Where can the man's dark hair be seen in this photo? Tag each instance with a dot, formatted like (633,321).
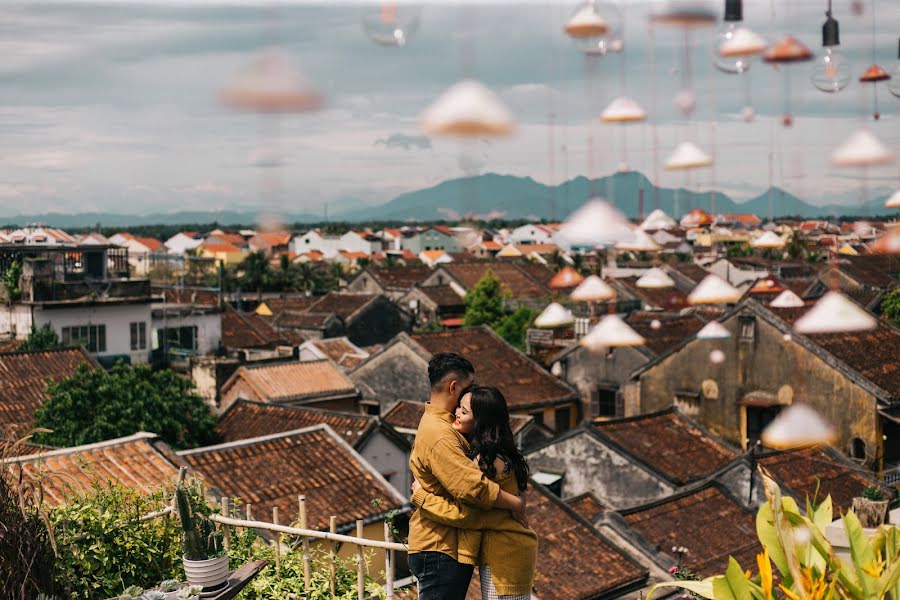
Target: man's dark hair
(446,363)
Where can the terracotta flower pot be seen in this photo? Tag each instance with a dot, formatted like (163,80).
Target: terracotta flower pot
(871,513)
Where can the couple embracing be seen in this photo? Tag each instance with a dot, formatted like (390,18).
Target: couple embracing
(468,493)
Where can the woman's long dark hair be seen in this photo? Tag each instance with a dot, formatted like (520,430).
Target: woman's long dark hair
(492,436)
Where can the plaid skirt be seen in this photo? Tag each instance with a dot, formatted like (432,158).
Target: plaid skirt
(489,592)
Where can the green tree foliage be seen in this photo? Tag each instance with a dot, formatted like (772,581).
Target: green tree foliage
(513,326)
(11,280)
(890,306)
(484,304)
(255,271)
(95,405)
(42,338)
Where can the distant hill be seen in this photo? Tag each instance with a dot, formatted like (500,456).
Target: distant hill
(504,196)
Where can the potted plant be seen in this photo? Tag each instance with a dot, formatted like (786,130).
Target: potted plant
(205,560)
(872,507)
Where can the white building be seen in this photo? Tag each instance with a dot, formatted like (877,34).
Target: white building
(531,234)
(182,241)
(330,245)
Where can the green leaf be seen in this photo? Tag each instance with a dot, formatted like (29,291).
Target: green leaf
(768,537)
(860,552)
(734,586)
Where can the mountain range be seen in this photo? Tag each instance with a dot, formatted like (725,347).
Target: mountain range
(492,195)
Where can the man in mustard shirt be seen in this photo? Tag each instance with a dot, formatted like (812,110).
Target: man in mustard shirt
(440,465)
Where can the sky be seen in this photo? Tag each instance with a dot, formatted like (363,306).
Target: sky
(116,107)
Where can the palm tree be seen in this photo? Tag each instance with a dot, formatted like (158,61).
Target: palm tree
(255,271)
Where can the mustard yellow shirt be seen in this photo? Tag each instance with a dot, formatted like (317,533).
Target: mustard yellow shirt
(439,463)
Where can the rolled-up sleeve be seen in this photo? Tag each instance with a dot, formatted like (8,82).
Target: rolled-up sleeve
(460,476)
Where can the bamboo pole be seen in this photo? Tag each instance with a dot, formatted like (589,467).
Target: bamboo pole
(360,564)
(249,513)
(388,564)
(226,530)
(277,541)
(312,533)
(332,528)
(307,568)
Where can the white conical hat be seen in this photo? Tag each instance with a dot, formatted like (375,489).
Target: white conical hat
(642,242)
(743,42)
(713,290)
(797,426)
(687,156)
(658,220)
(596,223)
(468,108)
(555,315)
(586,22)
(862,149)
(835,313)
(611,332)
(623,110)
(787,299)
(769,239)
(713,331)
(592,289)
(655,278)
(270,83)
(893,201)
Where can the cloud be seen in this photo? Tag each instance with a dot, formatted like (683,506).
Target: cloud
(405,141)
(209,188)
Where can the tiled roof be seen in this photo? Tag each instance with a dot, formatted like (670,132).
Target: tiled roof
(294,380)
(692,271)
(273,470)
(400,277)
(303,320)
(249,330)
(513,279)
(294,303)
(151,244)
(535,271)
(216,248)
(271,238)
(664,298)
(342,351)
(527,249)
(669,444)
(432,255)
(522,381)
(803,471)
(405,414)
(673,329)
(343,305)
(586,505)
(23,377)
(706,521)
(574,560)
(199,297)
(227,238)
(134,461)
(245,419)
(443,295)
(879,271)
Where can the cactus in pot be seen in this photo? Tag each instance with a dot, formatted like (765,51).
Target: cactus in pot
(205,560)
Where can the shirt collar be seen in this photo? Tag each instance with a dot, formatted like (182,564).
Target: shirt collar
(438,412)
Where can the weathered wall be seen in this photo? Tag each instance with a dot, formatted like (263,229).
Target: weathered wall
(395,374)
(591,466)
(209,329)
(379,322)
(587,371)
(390,460)
(240,389)
(116,318)
(364,284)
(15,320)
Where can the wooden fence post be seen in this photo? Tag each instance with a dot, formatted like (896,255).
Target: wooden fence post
(332,527)
(388,564)
(226,529)
(307,574)
(277,541)
(360,563)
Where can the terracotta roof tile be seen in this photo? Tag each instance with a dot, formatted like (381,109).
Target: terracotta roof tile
(513,279)
(294,303)
(273,470)
(245,419)
(443,296)
(134,461)
(249,330)
(152,244)
(586,505)
(878,271)
(199,297)
(708,522)
(282,382)
(663,298)
(669,444)
(342,351)
(405,414)
(23,377)
(522,381)
(673,329)
(343,305)
(400,277)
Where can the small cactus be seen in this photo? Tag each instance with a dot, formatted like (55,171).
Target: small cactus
(169,585)
(191,591)
(154,595)
(199,537)
(132,593)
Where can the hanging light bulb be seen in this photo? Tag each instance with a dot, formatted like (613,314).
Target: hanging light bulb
(831,72)
(594,29)
(894,85)
(390,23)
(735,45)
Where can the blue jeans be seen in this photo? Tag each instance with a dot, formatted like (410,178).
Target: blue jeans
(439,576)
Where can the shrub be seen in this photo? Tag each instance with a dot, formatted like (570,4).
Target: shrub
(873,492)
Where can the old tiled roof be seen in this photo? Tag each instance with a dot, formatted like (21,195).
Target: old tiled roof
(134,461)
(151,244)
(245,419)
(523,382)
(399,277)
(405,414)
(706,521)
(536,271)
(273,470)
(586,505)
(200,297)
(574,560)
(302,319)
(281,382)
(513,279)
(249,330)
(803,471)
(673,329)
(669,444)
(443,295)
(23,377)
(664,298)
(294,303)
(878,271)
(690,270)
(346,306)
(342,351)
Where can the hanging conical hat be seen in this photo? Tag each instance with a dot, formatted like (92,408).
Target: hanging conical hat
(658,220)
(713,331)
(798,426)
(893,201)
(555,315)
(769,239)
(687,156)
(787,49)
(270,83)
(592,289)
(787,299)
(596,223)
(713,290)
(468,109)
(611,332)
(889,243)
(685,14)
(623,110)
(835,313)
(743,42)
(862,149)
(586,23)
(566,278)
(873,74)
(642,242)
(654,278)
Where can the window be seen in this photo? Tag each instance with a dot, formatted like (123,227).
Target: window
(748,328)
(538,417)
(605,403)
(688,403)
(139,336)
(563,416)
(857,449)
(92,337)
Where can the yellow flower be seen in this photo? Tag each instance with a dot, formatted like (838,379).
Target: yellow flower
(765,573)
(875,568)
(815,589)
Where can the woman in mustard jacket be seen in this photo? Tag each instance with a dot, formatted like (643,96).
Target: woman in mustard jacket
(504,549)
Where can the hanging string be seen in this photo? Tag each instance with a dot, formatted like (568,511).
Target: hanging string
(654,118)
